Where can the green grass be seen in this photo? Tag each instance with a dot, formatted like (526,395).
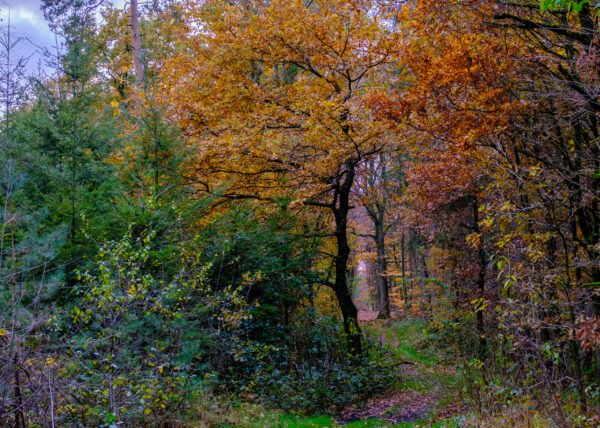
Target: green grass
(407,340)
(409,353)
(287,421)
(368,423)
(426,423)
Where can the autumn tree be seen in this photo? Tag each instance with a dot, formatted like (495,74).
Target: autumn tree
(279,111)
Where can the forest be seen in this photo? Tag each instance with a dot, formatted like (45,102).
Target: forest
(302,213)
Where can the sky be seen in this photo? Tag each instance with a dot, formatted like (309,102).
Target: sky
(27,21)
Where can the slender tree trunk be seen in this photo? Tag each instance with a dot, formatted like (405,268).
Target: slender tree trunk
(413,262)
(480,283)
(383,295)
(73,193)
(7,101)
(404,288)
(136,42)
(19,417)
(425,278)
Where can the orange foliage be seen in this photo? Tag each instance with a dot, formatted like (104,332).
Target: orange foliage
(271,107)
(455,93)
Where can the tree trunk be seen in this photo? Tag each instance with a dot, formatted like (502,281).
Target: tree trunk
(480,284)
(426,288)
(19,416)
(383,295)
(404,288)
(136,42)
(341,289)
(413,265)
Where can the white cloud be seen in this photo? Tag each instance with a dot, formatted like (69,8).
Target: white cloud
(28,23)
(22,14)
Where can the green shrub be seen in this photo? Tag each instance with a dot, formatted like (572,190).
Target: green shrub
(316,377)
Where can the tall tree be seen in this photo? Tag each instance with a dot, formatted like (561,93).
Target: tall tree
(277,110)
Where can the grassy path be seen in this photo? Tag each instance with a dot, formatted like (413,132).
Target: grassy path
(427,390)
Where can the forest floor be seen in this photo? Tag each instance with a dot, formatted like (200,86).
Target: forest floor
(426,394)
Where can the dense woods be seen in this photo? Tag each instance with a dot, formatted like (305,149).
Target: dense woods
(296,212)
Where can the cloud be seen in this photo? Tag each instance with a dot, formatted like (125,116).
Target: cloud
(27,23)
(27,15)
(23,11)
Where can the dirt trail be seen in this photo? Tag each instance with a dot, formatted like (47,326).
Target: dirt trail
(367,315)
(406,404)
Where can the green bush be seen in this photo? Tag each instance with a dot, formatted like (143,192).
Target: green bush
(316,377)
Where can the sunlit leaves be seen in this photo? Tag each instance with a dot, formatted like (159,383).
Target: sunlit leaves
(570,5)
